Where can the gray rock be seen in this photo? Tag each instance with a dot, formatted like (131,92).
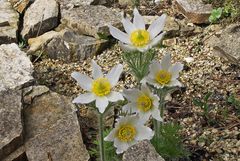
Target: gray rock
(195,10)
(53,130)
(41,41)
(226,44)
(11,129)
(8,23)
(17,155)
(142,151)
(19,5)
(15,67)
(73,47)
(126,2)
(91,20)
(40,17)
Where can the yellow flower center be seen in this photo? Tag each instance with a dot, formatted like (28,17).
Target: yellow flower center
(101,87)
(144,103)
(140,38)
(163,77)
(126,133)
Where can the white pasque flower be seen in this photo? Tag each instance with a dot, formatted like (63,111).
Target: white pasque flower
(163,73)
(137,37)
(127,132)
(143,102)
(100,89)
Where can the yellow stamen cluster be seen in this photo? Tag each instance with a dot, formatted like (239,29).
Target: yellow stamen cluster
(144,103)
(126,133)
(101,87)
(140,38)
(163,77)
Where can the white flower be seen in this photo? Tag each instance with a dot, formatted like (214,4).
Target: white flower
(137,37)
(163,73)
(142,102)
(100,89)
(127,132)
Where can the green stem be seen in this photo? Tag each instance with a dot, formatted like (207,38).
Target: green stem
(101,141)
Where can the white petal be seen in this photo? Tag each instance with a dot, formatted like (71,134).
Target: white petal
(144,116)
(116,33)
(145,89)
(101,103)
(114,74)
(115,96)
(130,107)
(131,94)
(96,70)
(175,83)
(154,83)
(166,62)
(157,39)
(145,48)
(175,69)
(126,47)
(111,135)
(83,80)
(154,68)
(144,132)
(157,26)
(138,20)
(156,114)
(128,26)
(121,146)
(84,98)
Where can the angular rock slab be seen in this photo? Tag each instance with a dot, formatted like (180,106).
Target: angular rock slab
(91,20)
(142,151)
(8,23)
(195,10)
(227,43)
(52,130)
(19,5)
(11,129)
(15,67)
(73,47)
(40,17)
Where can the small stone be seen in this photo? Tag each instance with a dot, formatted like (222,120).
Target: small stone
(195,10)
(126,2)
(40,18)
(11,128)
(15,67)
(8,23)
(91,20)
(141,151)
(169,42)
(19,5)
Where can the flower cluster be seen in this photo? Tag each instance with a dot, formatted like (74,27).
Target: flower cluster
(143,103)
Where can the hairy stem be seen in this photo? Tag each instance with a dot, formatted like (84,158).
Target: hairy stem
(101,141)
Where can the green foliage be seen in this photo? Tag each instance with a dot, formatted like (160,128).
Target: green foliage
(22,43)
(215,15)
(203,104)
(170,146)
(103,36)
(110,151)
(235,102)
(139,62)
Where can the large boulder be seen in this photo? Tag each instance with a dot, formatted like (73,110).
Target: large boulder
(19,5)
(40,17)
(74,47)
(226,44)
(52,128)
(15,73)
(91,20)
(142,151)
(195,10)
(15,67)
(8,23)
(11,128)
